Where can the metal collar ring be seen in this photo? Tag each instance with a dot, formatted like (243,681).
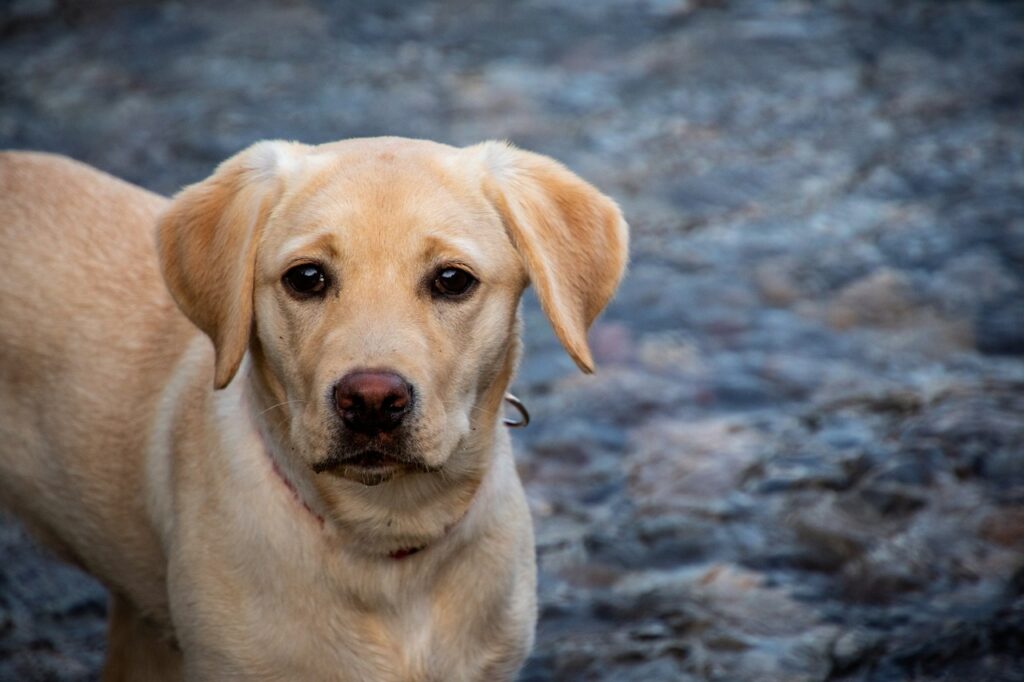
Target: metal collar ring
(524,415)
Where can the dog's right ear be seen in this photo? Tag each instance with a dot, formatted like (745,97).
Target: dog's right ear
(206,241)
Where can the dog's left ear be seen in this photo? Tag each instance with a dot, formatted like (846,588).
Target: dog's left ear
(207,239)
(573,240)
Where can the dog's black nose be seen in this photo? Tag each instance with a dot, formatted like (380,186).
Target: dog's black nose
(373,402)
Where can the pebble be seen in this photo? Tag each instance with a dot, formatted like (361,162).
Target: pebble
(800,456)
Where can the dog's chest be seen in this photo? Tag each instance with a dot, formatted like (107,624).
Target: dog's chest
(283,596)
(334,639)
(342,640)
(329,621)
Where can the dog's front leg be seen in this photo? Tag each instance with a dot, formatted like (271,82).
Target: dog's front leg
(136,650)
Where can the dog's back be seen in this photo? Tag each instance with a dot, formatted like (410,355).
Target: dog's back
(88,336)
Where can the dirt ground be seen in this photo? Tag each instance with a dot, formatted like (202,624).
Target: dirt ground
(802,458)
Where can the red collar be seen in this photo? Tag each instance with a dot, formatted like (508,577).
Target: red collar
(295,493)
(404,552)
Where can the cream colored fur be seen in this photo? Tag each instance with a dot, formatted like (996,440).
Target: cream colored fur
(146,454)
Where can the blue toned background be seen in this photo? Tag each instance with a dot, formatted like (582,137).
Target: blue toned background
(802,458)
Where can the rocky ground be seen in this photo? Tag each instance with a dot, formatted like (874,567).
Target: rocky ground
(803,456)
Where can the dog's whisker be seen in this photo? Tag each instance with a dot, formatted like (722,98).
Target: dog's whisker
(286,402)
(474,408)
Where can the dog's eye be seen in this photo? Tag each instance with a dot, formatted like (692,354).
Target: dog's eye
(453,282)
(306,280)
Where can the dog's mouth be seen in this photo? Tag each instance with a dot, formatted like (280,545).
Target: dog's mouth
(369,467)
(372,459)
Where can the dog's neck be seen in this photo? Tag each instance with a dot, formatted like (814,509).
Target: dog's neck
(396,555)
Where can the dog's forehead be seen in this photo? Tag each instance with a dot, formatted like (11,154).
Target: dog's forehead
(390,198)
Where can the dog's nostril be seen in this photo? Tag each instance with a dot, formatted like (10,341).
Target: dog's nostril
(396,403)
(372,402)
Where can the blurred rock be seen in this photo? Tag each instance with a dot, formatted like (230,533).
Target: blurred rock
(999,326)
(776,284)
(682,465)
(882,299)
(801,455)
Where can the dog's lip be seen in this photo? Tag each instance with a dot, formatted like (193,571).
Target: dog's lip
(370,460)
(370,467)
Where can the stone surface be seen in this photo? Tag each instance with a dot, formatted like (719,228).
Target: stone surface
(802,457)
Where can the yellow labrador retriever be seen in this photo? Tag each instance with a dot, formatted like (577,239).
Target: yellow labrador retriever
(324,492)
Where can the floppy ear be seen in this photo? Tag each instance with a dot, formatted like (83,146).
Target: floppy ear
(206,241)
(573,240)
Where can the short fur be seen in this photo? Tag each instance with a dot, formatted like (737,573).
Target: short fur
(181,472)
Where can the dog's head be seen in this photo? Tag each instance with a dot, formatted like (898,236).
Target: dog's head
(376,285)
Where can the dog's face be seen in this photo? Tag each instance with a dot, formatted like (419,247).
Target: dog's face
(385,304)
(376,283)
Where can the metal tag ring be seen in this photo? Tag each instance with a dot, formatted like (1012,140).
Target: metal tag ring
(523,413)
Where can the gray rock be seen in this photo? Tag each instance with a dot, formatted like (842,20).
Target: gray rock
(801,455)
(999,326)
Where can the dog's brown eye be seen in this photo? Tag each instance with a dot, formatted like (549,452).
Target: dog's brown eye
(453,282)
(306,280)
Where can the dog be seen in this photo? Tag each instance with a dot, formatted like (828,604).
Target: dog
(267,413)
